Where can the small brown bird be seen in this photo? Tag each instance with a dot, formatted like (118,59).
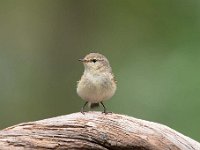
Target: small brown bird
(97,83)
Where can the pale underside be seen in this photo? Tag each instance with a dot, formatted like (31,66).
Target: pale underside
(96,88)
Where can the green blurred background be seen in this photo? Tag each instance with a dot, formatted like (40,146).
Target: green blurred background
(153,47)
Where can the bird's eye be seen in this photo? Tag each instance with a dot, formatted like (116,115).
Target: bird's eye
(94,60)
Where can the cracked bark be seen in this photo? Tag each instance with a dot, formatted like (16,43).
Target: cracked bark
(94,130)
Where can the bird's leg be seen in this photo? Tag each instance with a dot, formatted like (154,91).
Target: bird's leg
(104,109)
(82,109)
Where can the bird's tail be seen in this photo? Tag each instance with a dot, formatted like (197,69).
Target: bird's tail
(93,105)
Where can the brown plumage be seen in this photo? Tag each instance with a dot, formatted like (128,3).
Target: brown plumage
(97,83)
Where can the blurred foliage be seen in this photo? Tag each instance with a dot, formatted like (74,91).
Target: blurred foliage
(153,47)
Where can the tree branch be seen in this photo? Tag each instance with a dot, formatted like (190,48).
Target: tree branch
(94,130)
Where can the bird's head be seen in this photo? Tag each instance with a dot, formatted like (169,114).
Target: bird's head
(95,62)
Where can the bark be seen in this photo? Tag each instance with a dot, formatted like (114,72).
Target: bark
(94,130)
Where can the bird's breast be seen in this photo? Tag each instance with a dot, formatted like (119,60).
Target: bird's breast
(96,88)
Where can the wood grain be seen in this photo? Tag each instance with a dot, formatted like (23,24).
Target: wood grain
(94,130)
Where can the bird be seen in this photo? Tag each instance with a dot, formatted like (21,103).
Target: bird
(97,83)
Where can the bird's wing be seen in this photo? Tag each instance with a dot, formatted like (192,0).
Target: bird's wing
(113,78)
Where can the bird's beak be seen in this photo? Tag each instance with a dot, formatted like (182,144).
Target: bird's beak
(81,60)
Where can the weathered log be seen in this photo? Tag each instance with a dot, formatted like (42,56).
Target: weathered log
(94,130)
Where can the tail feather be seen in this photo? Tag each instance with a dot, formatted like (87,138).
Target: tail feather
(93,105)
